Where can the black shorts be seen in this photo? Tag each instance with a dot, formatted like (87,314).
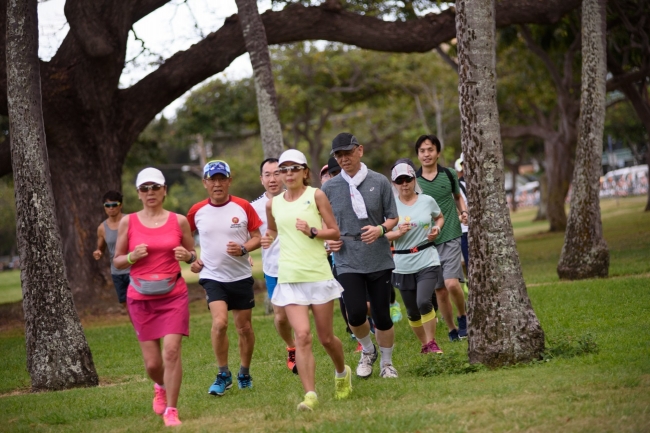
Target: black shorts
(238,295)
(121,283)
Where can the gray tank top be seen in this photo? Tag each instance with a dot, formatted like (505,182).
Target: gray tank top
(111,238)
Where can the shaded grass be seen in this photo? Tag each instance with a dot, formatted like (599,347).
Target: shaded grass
(594,392)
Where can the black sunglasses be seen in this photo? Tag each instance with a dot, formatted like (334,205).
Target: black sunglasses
(400,180)
(291,168)
(146,188)
(112,204)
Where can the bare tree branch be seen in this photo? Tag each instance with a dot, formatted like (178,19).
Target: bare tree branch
(543,56)
(451,62)
(88,27)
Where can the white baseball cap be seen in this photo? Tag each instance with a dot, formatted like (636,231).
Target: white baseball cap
(293,155)
(150,174)
(404,169)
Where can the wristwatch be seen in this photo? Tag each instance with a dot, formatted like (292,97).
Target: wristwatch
(192,259)
(244,251)
(313,232)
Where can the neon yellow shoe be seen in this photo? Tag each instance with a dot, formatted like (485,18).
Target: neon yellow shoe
(343,385)
(310,402)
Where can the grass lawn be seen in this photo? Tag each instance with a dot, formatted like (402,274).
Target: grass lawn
(604,391)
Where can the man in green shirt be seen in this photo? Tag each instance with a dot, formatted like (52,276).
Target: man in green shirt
(442,184)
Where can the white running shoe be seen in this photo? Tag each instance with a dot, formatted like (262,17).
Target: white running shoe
(388,371)
(364,369)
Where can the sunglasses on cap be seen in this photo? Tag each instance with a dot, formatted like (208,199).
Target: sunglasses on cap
(291,168)
(400,180)
(146,188)
(110,204)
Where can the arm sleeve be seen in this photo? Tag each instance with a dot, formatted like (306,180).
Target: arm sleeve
(192,213)
(454,175)
(254,221)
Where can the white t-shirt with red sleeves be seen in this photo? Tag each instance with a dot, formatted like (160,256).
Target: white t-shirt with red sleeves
(217,225)
(271,255)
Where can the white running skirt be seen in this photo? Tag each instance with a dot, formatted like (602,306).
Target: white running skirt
(315,293)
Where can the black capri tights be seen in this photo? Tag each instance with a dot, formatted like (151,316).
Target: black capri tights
(360,288)
(419,302)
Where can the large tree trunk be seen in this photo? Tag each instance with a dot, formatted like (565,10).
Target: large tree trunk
(585,253)
(559,168)
(58,356)
(503,328)
(267,101)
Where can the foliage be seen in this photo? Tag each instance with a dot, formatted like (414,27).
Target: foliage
(567,346)
(7,217)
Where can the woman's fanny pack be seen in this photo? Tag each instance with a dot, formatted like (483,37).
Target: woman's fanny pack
(414,249)
(154,284)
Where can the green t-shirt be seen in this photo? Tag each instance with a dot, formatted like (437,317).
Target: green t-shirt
(440,189)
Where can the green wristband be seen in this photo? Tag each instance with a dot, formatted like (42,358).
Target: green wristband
(128,259)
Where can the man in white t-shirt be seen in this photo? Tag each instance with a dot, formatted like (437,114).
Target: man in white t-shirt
(464,244)
(269,175)
(228,227)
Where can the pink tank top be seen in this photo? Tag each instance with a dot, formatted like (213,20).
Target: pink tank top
(161,242)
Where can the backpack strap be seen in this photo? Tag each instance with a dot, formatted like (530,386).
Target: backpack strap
(462,187)
(449,175)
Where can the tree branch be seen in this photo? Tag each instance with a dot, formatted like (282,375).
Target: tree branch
(619,78)
(451,62)
(141,102)
(526,131)
(88,27)
(543,56)
(143,8)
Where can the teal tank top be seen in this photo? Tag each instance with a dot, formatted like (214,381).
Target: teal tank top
(302,260)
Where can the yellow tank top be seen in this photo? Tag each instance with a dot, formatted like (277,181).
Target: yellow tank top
(302,260)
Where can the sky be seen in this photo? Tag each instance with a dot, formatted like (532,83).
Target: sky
(171,28)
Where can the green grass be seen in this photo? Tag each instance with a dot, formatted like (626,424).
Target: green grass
(603,390)
(10,290)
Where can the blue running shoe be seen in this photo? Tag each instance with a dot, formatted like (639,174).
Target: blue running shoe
(244,381)
(221,384)
(453,335)
(462,327)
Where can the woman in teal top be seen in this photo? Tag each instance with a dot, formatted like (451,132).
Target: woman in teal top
(305,279)
(417,270)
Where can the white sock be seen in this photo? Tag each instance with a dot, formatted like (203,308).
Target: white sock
(340,375)
(386,355)
(311,392)
(160,386)
(366,343)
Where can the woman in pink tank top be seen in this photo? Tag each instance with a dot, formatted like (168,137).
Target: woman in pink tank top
(152,242)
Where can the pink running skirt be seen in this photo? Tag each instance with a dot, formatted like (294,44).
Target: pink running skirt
(153,319)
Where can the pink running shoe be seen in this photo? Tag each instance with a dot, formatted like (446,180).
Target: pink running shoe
(425,349)
(433,347)
(171,417)
(159,399)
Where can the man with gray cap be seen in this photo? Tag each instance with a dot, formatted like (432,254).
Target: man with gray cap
(229,229)
(364,208)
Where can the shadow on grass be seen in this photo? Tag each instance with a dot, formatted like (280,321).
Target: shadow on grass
(563,347)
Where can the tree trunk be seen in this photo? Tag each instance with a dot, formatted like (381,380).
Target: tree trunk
(267,101)
(503,328)
(543,199)
(559,167)
(58,356)
(585,253)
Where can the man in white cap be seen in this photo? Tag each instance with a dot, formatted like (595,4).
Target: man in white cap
(365,209)
(228,227)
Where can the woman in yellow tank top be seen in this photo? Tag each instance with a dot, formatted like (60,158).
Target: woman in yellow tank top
(305,279)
